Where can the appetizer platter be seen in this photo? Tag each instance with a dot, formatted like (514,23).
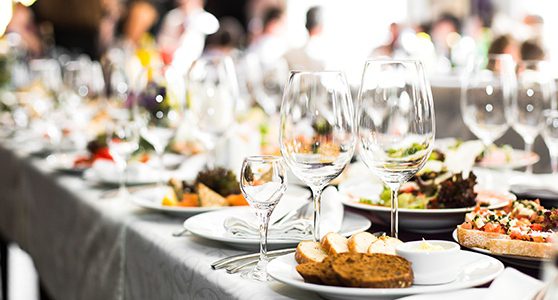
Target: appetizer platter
(366,267)
(521,233)
(434,200)
(212,189)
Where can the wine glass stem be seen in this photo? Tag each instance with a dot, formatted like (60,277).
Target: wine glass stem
(317,198)
(264,223)
(554,163)
(122,191)
(394,212)
(161,178)
(529,149)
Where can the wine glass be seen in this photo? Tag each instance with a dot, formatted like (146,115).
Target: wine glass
(534,93)
(263,182)
(211,98)
(160,106)
(395,117)
(487,88)
(550,135)
(122,140)
(318,134)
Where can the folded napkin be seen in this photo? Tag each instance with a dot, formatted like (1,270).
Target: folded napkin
(513,285)
(299,229)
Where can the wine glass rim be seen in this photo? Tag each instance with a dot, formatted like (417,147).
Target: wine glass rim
(551,112)
(391,60)
(316,72)
(262,158)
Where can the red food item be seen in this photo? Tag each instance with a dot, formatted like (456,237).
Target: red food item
(102,153)
(83,162)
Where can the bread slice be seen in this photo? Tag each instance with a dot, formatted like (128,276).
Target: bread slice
(385,245)
(360,242)
(210,198)
(309,251)
(521,248)
(319,273)
(476,238)
(372,270)
(334,243)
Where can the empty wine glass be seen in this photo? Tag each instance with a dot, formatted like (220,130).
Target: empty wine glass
(534,93)
(395,117)
(160,106)
(550,135)
(263,182)
(122,140)
(211,98)
(317,130)
(488,87)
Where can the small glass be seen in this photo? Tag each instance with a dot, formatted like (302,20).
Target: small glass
(122,140)
(263,182)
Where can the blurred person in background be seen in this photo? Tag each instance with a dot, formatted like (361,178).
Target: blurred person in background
(271,45)
(255,11)
(228,40)
(441,31)
(505,44)
(531,50)
(23,24)
(111,13)
(311,56)
(140,17)
(393,44)
(183,32)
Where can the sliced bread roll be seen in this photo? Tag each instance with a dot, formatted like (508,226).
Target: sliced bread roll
(334,243)
(319,273)
(308,251)
(477,238)
(360,242)
(384,244)
(521,248)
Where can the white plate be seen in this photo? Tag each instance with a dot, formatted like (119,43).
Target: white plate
(210,226)
(477,269)
(518,159)
(467,294)
(64,162)
(151,198)
(520,261)
(414,220)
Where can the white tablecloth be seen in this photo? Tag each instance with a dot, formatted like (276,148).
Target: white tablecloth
(85,247)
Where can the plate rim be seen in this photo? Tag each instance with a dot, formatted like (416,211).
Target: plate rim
(372,292)
(232,240)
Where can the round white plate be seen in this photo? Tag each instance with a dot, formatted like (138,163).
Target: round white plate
(151,198)
(210,226)
(477,269)
(467,294)
(518,159)
(520,261)
(64,162)
(414,220)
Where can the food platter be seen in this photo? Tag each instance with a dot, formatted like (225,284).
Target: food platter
(477,269)
(414,220)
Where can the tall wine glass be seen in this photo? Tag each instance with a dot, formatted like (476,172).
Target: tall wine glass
(263,182)
(122,140)
(395,117)
(160,106)
(488,87)
(534,93)
(211,98)
(550,135)
(318,133)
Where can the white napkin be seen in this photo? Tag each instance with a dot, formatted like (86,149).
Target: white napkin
(513,285)
(331,219)
(463,158)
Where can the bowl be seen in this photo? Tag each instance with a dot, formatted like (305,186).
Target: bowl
(433,261)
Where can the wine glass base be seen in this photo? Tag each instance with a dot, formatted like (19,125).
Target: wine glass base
(257,273)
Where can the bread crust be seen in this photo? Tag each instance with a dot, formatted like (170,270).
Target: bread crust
(499,243)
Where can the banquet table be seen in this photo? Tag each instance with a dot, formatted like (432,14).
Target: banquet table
(87,247)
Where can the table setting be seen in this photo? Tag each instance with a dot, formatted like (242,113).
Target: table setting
(353,198)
